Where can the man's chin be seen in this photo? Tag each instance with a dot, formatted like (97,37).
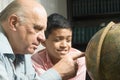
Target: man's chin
(31,51)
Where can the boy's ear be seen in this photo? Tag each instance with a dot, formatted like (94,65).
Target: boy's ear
(13,20)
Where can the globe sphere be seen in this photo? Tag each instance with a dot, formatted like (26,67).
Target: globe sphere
(103,53)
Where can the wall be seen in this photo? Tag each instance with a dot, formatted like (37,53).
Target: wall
(4,3)
(55,6)
(51,6)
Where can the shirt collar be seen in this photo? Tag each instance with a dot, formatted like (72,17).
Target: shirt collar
(48,58)
(5,47)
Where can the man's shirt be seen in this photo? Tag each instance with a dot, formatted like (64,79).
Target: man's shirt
(19,67)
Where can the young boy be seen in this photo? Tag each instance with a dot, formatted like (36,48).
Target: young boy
(58,44)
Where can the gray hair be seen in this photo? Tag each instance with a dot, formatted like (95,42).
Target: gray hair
(13,8)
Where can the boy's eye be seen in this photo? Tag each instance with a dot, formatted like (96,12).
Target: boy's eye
(57,39)
(69,40)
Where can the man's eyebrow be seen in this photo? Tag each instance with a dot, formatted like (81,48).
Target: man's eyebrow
(39,26)
(36,25)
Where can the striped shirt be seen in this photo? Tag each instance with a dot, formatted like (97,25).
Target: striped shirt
(41,63)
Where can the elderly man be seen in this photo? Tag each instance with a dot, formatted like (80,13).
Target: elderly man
(22,26)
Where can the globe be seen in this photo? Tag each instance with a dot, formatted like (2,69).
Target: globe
(103,53)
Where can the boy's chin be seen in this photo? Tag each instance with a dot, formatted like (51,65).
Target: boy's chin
(62,56)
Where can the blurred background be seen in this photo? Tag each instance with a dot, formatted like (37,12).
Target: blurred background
(86,16)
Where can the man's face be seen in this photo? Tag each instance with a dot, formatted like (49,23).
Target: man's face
(30,34)
(58,43)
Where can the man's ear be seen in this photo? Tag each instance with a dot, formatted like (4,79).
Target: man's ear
(13,20)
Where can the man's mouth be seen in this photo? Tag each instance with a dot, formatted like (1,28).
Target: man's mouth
(35,46)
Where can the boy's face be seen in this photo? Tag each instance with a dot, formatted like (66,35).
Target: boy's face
(58,43)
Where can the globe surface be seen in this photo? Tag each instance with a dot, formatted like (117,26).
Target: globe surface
(103,54)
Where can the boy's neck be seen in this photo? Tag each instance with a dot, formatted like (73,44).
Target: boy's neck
(54,60)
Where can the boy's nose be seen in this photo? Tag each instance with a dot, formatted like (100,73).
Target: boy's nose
(63,44)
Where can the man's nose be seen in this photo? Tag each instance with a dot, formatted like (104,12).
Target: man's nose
(41,36)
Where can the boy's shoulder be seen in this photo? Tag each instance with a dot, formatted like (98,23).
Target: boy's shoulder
(74,50)
(39,54)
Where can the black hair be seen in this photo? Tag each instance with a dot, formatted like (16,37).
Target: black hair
(56,21)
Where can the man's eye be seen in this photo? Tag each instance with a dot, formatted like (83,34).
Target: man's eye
(38,28)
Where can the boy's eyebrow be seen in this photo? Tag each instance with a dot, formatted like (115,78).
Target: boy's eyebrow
(63,37)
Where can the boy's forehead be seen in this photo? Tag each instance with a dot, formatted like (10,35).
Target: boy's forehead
(61,31)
